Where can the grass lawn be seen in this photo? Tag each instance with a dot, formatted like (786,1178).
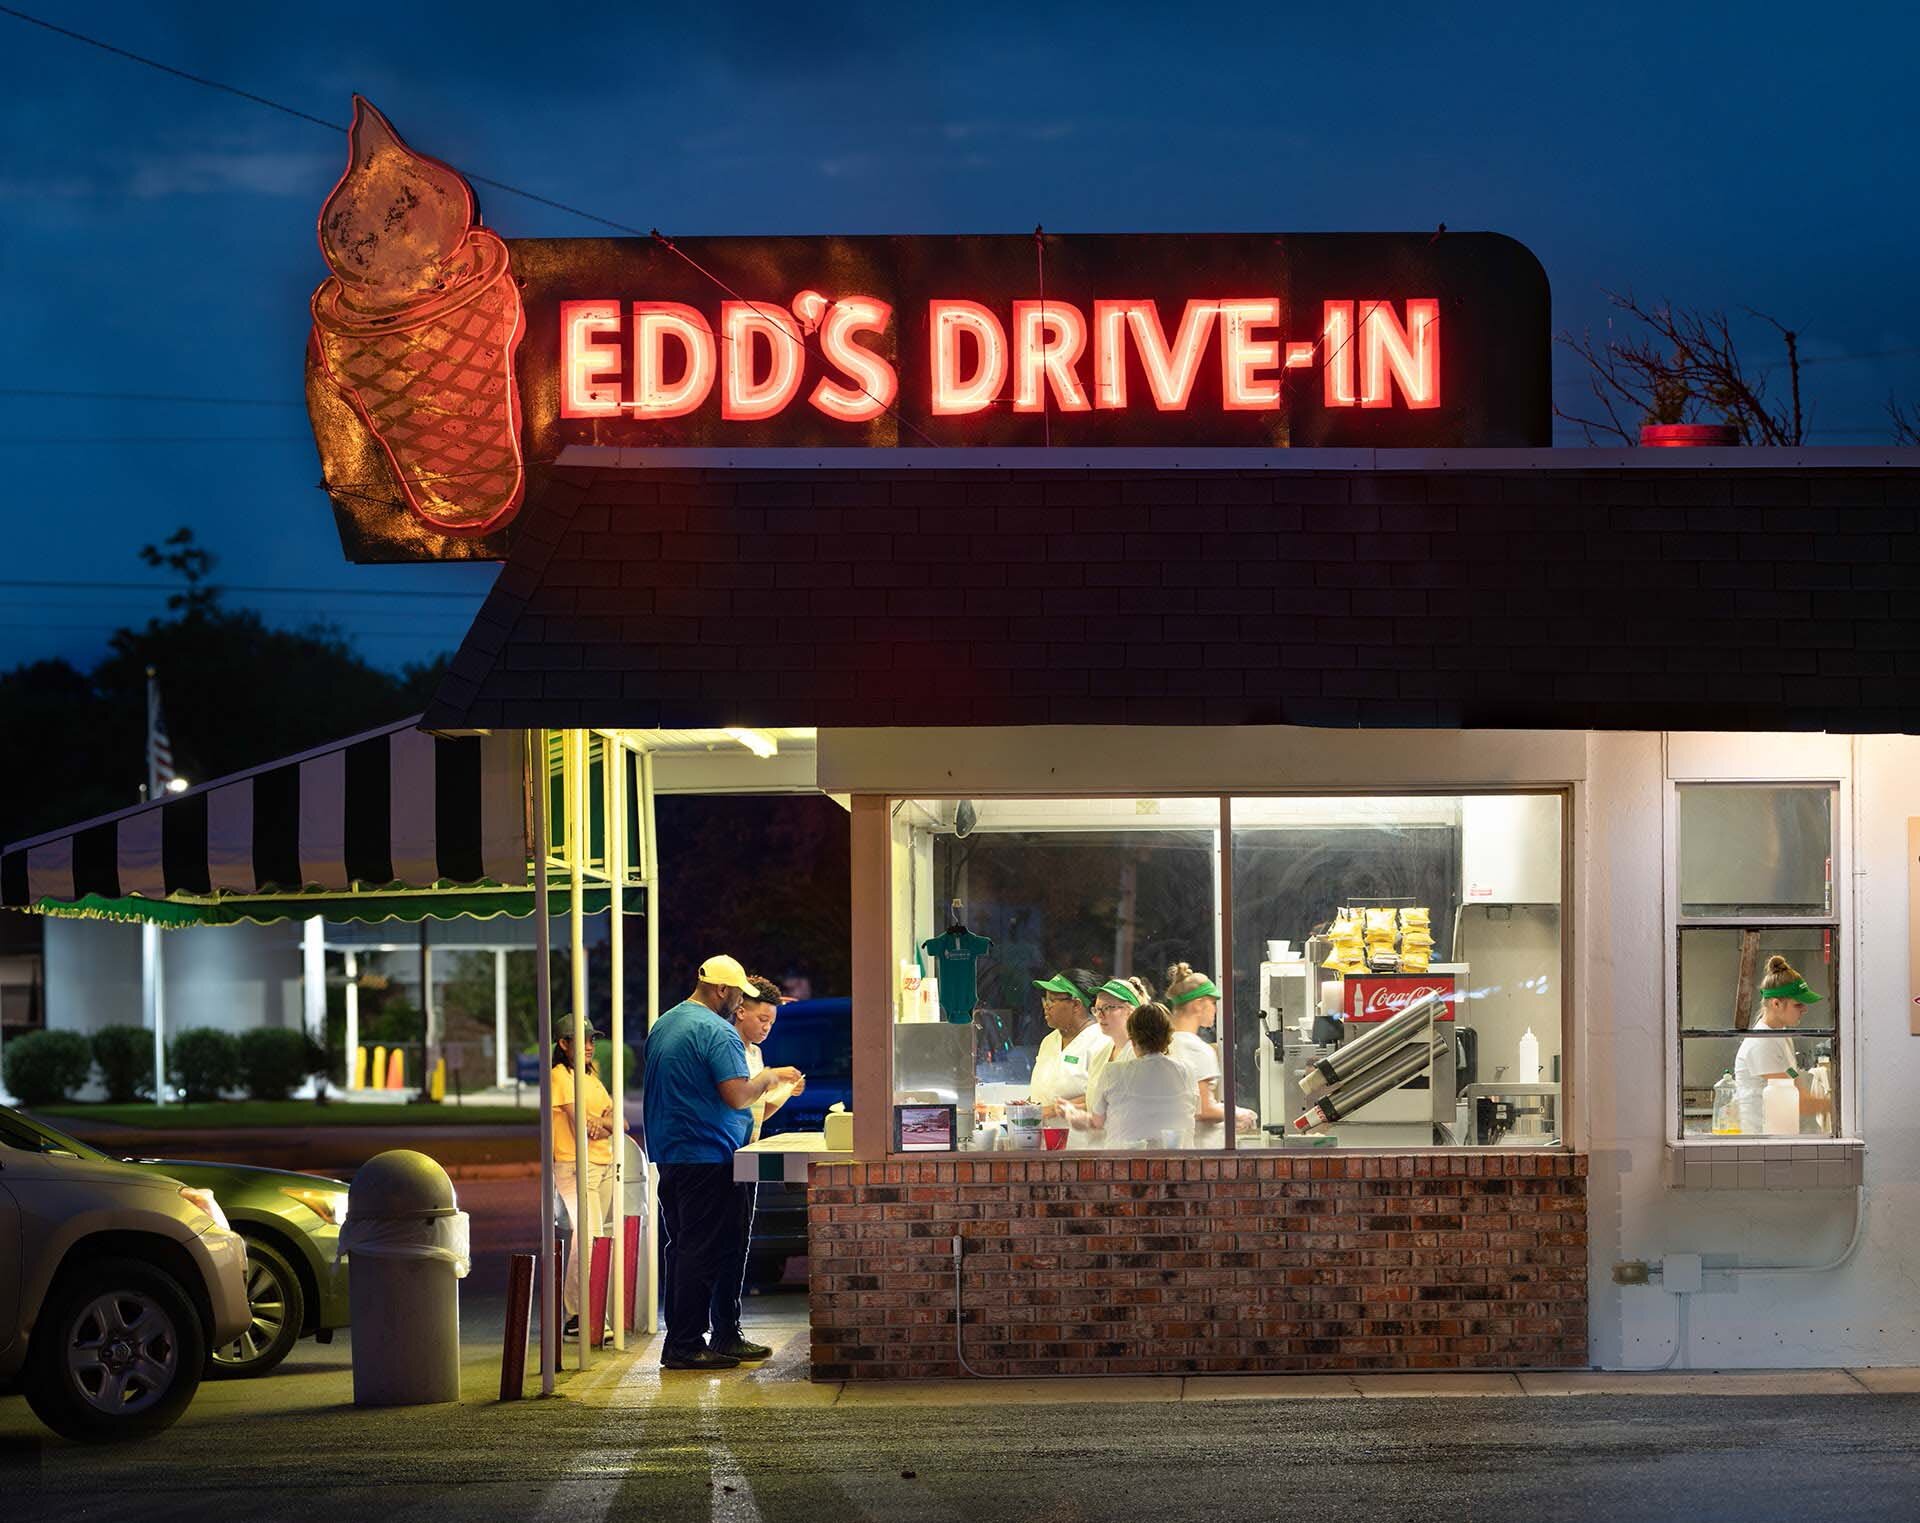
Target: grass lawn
(228,1114)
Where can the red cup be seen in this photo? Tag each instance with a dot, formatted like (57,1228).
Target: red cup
(1055,1137)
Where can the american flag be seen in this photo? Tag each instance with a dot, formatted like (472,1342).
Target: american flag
(160,769)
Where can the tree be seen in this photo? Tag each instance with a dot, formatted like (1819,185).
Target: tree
(1684,366)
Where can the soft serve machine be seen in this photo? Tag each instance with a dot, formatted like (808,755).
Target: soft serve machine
(1375,1058)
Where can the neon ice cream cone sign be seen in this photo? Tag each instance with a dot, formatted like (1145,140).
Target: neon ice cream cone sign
(417,326)
(425,399)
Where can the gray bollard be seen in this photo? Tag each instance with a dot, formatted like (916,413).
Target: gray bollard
(405,1238)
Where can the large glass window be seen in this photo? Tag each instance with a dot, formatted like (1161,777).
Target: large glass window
(1758,961)
(1397,969)
(1395,974)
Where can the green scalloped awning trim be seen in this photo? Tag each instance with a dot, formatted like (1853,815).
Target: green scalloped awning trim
(368,909)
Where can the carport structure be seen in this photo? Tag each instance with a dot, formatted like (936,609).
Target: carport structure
(409,824)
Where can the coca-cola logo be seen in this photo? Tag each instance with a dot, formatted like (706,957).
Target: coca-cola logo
(1385,1000)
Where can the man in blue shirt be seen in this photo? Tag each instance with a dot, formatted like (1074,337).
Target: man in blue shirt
(698,1097)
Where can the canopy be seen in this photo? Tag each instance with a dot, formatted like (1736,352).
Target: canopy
(393,823)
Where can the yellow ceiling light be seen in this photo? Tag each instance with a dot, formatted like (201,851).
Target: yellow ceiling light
(759,742)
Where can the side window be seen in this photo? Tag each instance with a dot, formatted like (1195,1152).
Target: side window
(1758,963)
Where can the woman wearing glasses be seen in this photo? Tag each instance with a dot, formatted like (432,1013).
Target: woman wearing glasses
(1074,1051)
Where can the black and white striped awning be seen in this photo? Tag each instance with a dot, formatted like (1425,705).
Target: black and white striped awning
(395,810)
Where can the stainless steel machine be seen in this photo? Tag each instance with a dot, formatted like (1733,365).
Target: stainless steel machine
(933,1065)
(1383,1074)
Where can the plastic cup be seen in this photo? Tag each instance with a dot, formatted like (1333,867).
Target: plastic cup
(1055,1137)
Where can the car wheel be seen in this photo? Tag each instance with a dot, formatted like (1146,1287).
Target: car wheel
(117,1352)
(279,1310)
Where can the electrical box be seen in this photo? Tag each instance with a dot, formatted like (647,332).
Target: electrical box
(1681,1274)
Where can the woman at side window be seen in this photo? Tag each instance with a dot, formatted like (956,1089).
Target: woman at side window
(1194,1000)
(1074,1050)
(1769,1052)
(1150,1101)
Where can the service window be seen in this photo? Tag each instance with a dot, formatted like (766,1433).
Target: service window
(1758,961)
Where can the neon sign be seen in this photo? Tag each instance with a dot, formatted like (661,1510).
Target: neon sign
(1322,339)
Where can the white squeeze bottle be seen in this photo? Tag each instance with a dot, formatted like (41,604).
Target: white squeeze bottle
(1780,1108)
(1529,1058)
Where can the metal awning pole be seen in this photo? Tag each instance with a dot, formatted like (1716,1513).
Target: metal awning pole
(543,1001)
(577,838)
(352,995)
(615,773)
(153,997)
(501,1073)
(650,872)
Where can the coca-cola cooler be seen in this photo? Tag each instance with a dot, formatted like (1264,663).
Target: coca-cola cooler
(1420,1113)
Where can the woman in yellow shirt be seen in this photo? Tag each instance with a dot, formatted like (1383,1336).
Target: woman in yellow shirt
(598,1106)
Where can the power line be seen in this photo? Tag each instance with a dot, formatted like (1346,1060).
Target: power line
(257,590)
(144,396)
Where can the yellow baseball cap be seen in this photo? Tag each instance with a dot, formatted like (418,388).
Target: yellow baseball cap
(727,973)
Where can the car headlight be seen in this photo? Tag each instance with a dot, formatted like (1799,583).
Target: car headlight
(203,1201)
(329,1205)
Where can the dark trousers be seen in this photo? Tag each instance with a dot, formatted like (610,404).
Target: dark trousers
(699,1218)
(733,1269)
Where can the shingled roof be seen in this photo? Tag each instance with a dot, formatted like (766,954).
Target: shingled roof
(1757,590)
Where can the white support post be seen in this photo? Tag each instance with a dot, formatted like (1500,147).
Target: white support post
(153,1004)
(543,1001)
(313,977)
(650,875)
(353,1019)
(615,774)
(577,837)
(501,1072)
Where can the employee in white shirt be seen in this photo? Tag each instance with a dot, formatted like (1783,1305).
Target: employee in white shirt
(1768,1052)
(1148,1102)
(1194,1000)
(1074,1051)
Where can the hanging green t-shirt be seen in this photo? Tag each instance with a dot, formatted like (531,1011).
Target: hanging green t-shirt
(954,959)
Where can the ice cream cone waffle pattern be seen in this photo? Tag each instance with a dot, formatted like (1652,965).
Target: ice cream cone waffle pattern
(417,327)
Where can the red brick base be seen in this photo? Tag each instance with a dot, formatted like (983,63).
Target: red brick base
(1272,1262)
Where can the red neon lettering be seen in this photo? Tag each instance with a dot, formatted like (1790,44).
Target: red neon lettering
(1171,368)
(654,323)
(809,307)
(1299,356)
(949,322)
(1409,355)
(1336,340)
(875,384)
(589,368)
(1049,338)
(745,324)
(1242,356)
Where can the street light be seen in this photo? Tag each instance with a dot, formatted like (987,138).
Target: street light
(178,785)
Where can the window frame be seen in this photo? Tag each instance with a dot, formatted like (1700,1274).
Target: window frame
(1838,920)
(1569,983)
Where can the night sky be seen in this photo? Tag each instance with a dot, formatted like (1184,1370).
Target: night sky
(158,237)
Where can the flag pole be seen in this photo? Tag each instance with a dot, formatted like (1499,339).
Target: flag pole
(153,994)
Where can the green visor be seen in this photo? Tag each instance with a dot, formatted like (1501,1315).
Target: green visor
(1061,984)
(1122,991)
(1207,990)
(1796,991)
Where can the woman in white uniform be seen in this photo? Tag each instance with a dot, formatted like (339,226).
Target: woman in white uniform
(1113,1004)
(1150,1101)
(1768,1051)
(1194,1000)
(1074,1051)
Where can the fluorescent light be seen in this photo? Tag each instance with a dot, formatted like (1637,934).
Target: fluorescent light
(759,742)
(178,785)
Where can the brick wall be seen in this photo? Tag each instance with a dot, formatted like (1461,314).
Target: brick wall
(1428,1261)
(1776,599)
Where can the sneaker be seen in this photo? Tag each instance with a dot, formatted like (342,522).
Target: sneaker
(739,1348)
(570,1329)
(699,1359)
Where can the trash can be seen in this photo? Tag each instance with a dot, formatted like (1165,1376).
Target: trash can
(407,1241)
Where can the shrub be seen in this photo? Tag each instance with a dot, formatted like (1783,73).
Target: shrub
(45,1066)
(203,1061)
(125,1056)
(274,1060)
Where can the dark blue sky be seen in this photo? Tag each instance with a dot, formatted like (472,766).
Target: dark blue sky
(156,236)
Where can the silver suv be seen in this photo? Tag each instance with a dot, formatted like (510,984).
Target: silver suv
(114,1283)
